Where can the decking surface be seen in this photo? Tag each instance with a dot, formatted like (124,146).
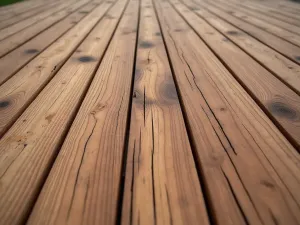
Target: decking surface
(150,112)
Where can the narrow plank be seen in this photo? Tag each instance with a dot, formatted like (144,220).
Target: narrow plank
(17,59)
(22,88)
(277,11)
(284,6)
(279,101)
(251,171)
(23,36)
(17,18)
(21,14)
(272,13)
(6,32)
(262,16)
(273,29)
(160,166)
(289,50)
(84,183)
(19,7)
(30,147)
(283,68)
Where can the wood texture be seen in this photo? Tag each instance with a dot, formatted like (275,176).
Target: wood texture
(23,36)
(273,29)
(15,60)
(30,146)
(282,104)
(6,32)
(237,145)
(161,185)
(288,49)
(85,178)
(150,112)
(39,71)
(283,68)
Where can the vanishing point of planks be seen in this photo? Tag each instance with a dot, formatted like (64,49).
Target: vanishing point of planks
(150,112)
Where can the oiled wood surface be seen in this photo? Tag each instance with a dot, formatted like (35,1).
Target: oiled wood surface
(150,112)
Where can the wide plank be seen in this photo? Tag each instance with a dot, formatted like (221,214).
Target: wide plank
(23,36)
(286,48)
(83,186)
(29,148)
(250,171)
(161,183)
(280,102)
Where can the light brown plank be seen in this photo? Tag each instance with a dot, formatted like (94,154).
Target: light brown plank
(23,36)
(19,17)
(17,59)
(83,185)
(19,8)
(22,88)
(262,16)
(6,32)
(294,19)
(283,68)
(279,101)
(273,29)
(162,185)
(251,171)
(31,145)
(289,50)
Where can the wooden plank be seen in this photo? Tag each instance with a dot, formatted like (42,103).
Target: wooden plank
(160,166)
(283,5)
(31,145)
(294,19)
(289,50)
(84,183)
(21,13)
(6,32)
(283,68)
(22,88)
(251,171)
(23,36)
(15,60)
(17,18)
(262,16)
(19,7)
(280,102)
(278,31)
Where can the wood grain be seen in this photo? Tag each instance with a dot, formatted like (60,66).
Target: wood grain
(286,48)
(280,102)
(6,32)
(83,186)
(263,17)
(24,86)
(263,25)
(283,68)
(29,148)
(17,59)
(7,22)
(23,36)
(244,158)
(161,183)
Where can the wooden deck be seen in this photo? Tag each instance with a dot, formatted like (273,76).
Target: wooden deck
(150,112)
